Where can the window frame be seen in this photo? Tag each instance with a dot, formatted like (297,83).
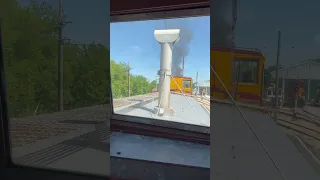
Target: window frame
(239,60)
(154,124)
(188,81)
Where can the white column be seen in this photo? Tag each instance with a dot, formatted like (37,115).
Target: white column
(165,75)
(166,38)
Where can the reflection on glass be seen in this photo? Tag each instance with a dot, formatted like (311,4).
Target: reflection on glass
(283,83)
(74,139)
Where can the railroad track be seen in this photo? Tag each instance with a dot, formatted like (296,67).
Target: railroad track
(310,114)
(304,126)
(205,102)
(34,128)
(300,128)
(300,123)
(130,100)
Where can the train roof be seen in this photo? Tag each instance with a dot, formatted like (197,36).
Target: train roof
(249,51)
(182,77)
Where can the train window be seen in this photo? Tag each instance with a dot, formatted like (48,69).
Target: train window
(246,71)
(186,84)
(58,112)
(138,66)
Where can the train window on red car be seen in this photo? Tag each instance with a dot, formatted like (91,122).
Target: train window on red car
(153,65)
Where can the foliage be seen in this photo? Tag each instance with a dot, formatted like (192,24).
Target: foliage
(119,78)
(30,41)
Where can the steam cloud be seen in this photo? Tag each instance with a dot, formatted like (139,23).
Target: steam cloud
(181,51)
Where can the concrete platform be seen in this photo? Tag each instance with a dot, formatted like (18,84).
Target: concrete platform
(187,110)
(237,154)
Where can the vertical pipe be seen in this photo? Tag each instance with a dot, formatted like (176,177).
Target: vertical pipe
(60,60)
(165,74)
(277,73)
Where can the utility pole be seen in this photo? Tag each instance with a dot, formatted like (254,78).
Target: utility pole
(60,59)
(182,65)
(128,71)
(277,74)
(234,21)
(157,82)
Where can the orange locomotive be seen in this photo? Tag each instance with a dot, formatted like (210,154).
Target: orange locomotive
(241,71)
(179,83)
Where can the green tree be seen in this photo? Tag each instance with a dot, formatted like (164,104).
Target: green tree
(119,78)
(30,58)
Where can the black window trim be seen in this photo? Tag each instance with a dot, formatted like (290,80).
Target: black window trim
(184,13)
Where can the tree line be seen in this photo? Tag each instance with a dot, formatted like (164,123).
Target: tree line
(120,81)
(30,41)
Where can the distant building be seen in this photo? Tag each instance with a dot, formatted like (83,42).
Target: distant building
(206,85)
(308,72)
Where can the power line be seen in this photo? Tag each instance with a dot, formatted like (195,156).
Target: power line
(165,24)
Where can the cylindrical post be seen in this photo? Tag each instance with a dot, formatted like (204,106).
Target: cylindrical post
(60,60)
(277,73)
(165,74)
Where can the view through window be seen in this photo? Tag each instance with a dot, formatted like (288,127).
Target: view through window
(148,83)
(57,85)
(276,90)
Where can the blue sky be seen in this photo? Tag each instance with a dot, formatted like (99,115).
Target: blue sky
(258,22)
(299,22)
(134,42)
